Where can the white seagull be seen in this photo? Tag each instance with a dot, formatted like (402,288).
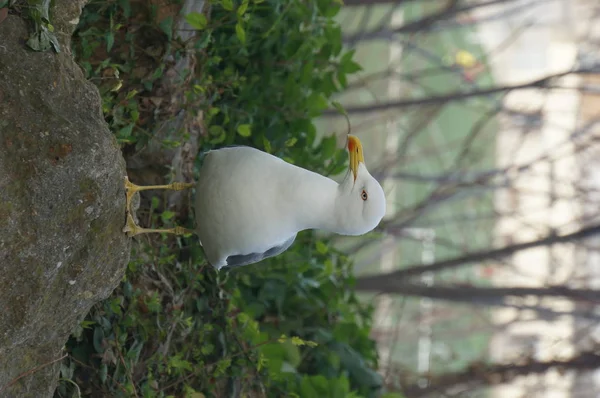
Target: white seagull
(250,205)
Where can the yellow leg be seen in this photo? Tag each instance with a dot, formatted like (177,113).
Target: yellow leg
(131,188)
(133,229)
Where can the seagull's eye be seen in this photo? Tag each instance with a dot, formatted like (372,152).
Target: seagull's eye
(364,195)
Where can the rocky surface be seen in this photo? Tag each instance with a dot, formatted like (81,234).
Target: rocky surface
(62,204)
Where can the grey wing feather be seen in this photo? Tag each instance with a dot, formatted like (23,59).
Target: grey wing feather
(245,259)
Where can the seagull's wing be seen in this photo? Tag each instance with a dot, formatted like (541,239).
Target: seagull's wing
(245,259)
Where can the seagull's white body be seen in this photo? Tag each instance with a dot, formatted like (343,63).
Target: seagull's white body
(250,205)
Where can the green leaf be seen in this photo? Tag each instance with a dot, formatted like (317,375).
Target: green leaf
(43,41)
(245,130)
(222,366)
(356,366)
(220,138)
(266,144)
(126,7)
(207,349)
(306,388)
(215,130)
(110,41)
(347,56)
(351,67)
(328,147)
(291,142)
(341,76)
(98,339)
(167,215)
(240,33)
(176,362)
(347,65)
(317,103)
(196,20)
(131,94)
(166,25)
(227,4)
(339,107)
(125,131)
(103,373)
(321,247)
(242,8)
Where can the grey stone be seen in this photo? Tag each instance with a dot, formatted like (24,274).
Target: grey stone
(62,204)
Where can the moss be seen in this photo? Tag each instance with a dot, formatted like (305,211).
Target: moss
(57,158)
(6,208)
(26,288)
(89,189)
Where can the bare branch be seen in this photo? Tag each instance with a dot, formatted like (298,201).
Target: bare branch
(480,374)
(467,293)
(493,254)
(542,83)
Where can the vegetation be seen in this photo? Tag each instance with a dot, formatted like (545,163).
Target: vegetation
(291,327)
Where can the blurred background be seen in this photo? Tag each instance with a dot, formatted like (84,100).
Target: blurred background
(479,118)
(482,119)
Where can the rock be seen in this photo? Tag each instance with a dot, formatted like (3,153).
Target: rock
(62,205)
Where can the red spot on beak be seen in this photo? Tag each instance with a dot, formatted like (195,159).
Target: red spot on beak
(351,145)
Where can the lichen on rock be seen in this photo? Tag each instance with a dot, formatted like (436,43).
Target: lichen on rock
(62,205)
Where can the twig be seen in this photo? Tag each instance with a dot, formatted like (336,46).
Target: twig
(31,371)
(128,370)
(485,255)
(85,365)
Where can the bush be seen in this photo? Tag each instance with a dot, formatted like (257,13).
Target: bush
(290,326)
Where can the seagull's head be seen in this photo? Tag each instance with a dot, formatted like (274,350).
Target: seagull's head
(361,198)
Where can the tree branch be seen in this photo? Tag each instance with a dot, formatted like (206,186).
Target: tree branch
(458,96)
(422,24)
(456,262)
(479,374)
(466,293)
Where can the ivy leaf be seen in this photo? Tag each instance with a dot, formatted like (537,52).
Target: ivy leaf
(240,33)
(167,215)
(291,142)
(166,25)
(328,147)
(317,103)
(267,145)
(351,67)
(126,131)
(347,65)
(196,20)
(227,4)
(43,40)
(242,8)
(176,362)
(341,76)
(322,247)
(110,41)
(339,108)
(245,130)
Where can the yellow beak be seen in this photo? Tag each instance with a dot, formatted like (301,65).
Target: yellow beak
(355,151)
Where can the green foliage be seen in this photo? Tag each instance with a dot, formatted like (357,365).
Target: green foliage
(42,37)
(288,327)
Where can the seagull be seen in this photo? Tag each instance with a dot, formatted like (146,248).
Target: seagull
(250,205)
